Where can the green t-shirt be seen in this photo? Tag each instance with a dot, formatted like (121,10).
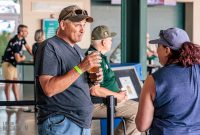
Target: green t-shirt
(109,79)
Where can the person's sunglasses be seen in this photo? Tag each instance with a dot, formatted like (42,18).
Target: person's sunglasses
(75,13)
(162,35)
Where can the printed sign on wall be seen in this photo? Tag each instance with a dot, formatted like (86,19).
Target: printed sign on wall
(50,27)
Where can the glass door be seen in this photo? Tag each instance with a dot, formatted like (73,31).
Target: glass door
(9,20)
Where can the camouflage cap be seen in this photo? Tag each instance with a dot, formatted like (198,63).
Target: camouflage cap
(74,14)
(102,32)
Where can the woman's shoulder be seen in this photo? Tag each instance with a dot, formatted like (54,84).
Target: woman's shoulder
(35,44)
(167,70)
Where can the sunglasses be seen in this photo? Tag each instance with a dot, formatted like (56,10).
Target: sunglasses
(75,13)
(162,35)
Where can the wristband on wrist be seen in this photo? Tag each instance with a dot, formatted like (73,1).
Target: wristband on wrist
(78,70)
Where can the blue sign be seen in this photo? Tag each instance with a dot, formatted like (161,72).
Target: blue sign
(50,27)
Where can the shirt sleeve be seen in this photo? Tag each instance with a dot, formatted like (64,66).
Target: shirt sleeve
(16,48)
(24,42)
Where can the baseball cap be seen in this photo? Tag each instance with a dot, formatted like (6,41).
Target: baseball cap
(74,14)
(172,38)
(102,32)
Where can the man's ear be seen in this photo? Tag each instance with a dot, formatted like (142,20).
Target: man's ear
(62,24)
(103,42)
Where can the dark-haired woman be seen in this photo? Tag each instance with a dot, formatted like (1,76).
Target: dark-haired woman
(170,99)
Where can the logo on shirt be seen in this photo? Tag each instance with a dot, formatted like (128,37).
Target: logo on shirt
(106,66)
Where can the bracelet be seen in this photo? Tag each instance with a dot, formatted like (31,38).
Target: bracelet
(78,70)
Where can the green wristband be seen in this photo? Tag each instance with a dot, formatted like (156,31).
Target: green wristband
(78,70)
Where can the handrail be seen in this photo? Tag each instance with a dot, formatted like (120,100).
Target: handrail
(20,103)
(17,81)
(23,102)
(31,63)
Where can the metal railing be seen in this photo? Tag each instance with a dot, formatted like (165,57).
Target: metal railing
(24,102)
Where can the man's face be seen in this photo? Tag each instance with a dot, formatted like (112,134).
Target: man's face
(108,44)
(24,32)
(74,30)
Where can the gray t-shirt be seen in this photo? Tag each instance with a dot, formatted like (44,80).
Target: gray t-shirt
(56,57)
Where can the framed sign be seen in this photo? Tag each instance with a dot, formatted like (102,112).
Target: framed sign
(128,79)
(50,27)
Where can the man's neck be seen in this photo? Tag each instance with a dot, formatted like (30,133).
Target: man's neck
(19,36)
(99,49)
(66,39)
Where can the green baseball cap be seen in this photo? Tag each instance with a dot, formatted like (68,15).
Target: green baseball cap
(102,32)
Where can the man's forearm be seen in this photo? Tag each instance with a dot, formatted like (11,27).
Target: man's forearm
(53,85)
(102,92)
(29,49)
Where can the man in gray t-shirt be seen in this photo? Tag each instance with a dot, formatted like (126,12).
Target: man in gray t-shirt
(61,82)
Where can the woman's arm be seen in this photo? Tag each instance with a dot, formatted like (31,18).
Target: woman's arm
(145,112)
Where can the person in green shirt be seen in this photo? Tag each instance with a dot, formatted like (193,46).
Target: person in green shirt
(101,39)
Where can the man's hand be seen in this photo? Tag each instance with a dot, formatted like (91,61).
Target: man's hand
(122,96)
(90,61)
(94,89)
(96,78)
(19,58)
(23,57)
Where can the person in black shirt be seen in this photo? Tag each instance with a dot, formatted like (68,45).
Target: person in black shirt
(12,56)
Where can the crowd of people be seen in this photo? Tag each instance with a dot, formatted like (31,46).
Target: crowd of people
(169,100)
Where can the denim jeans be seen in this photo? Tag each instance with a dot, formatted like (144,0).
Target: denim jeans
(60,125)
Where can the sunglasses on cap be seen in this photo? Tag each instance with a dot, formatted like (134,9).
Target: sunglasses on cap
(75,13)
(162,35)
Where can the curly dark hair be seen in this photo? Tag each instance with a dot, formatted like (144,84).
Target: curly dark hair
(187,55)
